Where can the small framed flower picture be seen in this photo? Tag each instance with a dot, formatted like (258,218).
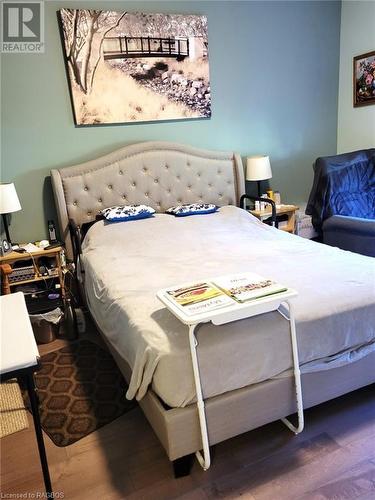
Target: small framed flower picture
(364,79)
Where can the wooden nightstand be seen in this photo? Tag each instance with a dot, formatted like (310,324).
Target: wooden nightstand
(287,210)
(12,276)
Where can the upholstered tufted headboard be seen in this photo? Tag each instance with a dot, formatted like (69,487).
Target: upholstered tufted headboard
(159,174)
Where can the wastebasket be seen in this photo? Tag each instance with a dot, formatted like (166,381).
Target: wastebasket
(46,325)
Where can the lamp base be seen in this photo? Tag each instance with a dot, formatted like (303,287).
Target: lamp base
(5,223)
(5,244)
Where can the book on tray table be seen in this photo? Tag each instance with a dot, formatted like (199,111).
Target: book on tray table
(224,291)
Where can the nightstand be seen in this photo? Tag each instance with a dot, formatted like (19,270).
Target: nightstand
(289,211)
(43,268)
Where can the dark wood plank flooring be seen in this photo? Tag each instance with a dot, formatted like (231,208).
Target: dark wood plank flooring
(334,458)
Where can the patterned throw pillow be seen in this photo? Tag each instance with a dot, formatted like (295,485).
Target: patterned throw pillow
(127,212)
(192,209)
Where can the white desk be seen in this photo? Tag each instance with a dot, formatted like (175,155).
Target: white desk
(226,315)
(19,359)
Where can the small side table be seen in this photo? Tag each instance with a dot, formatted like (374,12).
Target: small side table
(32,259)
(288,210)
(226,315)
(19,359)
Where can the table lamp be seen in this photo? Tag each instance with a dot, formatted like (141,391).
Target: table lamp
(9,203)
(258,168)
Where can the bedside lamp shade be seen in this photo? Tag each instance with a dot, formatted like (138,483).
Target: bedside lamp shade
(9,201)
(258,168)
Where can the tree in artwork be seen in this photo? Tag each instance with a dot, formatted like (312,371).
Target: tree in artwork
(84,32)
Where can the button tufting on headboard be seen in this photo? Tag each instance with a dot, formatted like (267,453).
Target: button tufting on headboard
(157,172)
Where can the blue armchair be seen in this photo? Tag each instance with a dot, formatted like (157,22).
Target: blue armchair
(342,201)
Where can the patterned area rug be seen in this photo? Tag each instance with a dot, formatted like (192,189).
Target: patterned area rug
(80,389)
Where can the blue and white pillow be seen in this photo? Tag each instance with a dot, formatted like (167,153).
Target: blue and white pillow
(192,209)
(127,212)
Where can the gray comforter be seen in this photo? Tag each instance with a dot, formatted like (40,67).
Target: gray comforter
(126,263)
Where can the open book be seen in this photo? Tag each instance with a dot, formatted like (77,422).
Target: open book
(222,291)
(248,286)
(198,298)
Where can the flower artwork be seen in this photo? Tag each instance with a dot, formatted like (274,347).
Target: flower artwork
(364,79)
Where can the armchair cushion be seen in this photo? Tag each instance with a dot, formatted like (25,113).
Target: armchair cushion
(350,233)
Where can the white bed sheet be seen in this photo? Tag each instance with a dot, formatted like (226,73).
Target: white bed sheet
(126,263)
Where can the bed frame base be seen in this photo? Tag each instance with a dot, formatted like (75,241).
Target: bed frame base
(182,466)
(242,410)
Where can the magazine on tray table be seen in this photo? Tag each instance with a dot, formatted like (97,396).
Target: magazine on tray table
(223,291)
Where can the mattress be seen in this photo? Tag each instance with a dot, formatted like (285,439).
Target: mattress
(127,263)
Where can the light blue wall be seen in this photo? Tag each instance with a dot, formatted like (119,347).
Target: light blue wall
(274,79)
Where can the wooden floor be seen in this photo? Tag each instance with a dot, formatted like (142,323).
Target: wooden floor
(334,458)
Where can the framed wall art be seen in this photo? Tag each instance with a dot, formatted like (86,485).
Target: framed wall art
(127,67)
(364,79)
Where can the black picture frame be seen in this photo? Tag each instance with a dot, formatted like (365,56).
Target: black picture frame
(5,247)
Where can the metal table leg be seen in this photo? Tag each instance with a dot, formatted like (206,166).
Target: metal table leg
(205,459)
(297,374)
(31,389)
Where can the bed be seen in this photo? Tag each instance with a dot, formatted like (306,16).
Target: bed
(247,382)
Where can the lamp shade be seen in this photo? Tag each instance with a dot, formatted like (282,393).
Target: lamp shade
(258,168)
(9,201)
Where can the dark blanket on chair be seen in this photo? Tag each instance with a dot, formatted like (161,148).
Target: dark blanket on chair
(343,185)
